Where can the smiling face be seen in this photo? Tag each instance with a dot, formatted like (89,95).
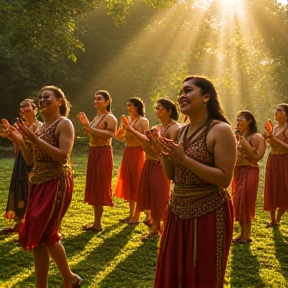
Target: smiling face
(190,98)
(242,123)
(48,102)
(161,112)
(100,102)
(131,108)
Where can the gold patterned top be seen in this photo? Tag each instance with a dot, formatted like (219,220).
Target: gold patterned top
(242,157)
(195,148)
(45,168)
(275,147)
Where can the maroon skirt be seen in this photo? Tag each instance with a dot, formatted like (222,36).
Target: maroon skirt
(176,265)
(276,182)
(154,190)
(129,174)
(47,205)
(98,190)
(244,191)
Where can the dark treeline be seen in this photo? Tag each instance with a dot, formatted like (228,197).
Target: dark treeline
(83,48)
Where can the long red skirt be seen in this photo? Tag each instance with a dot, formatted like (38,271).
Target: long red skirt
(154,190)
(175,264)
(276,182)
(98,190)
(244,191)
(130,172)
(47,205)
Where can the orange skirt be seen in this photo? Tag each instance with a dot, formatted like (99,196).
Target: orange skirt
(154,190)
(130,172)
(98,190)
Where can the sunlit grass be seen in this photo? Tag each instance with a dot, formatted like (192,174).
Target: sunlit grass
(117,257)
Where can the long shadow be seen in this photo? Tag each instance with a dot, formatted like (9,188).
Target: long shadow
(140,264)
(244,263)
(103,254)
(281,251)
(72,244)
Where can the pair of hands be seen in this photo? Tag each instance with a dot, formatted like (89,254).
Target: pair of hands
(165,146)
(18,131)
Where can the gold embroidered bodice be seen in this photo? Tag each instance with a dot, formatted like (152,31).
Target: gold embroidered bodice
(275,147)
(242,158)
(45,168)
(194,147)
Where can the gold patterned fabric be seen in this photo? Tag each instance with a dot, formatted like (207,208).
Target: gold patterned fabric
(45,168)
(275,147)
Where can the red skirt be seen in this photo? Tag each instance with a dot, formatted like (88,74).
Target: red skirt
(244,191)
(154,190)
(175,264)
(276,182)
(47,205)
(130,171)
(98,190)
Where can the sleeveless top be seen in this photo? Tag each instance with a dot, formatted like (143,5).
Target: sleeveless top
(94,139)
(275,147)
(45,168)
(193,196)
(242,158)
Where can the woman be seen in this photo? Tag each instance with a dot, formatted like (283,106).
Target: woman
(154,188)
(18,190)
(127,186)
(197,235)
(98,190)
(250,149)
(51,185)
(276,178)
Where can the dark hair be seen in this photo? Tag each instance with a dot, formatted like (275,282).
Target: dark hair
(139,104)
(170,105)
(285,107)
(214,106)
(107,97)
(248,116)
(64,108)
(31,101)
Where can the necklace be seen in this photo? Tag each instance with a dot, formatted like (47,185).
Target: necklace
(194,134)
(46,127)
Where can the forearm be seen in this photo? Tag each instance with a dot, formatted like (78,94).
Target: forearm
(210,174)
(103,134)
(168,167)
(279,142)
(57,154)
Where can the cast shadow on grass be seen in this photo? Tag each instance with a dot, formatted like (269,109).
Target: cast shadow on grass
(137,270)
(99,258)
(281,245)
(244,263)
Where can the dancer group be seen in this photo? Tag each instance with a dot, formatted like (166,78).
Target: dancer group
(177,173)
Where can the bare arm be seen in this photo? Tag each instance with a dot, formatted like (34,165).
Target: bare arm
(65,132)
(259,146)
(107,133)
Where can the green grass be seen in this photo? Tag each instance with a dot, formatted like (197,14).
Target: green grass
(118,258)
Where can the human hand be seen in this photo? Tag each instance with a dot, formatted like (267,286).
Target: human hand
(83,118)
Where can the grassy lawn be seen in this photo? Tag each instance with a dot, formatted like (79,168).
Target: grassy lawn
(117,257)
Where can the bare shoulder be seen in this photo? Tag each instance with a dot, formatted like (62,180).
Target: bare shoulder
(111,117)
(143,120)
(65,123)
(220,132)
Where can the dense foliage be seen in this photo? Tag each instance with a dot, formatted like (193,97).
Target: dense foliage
(145,48)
